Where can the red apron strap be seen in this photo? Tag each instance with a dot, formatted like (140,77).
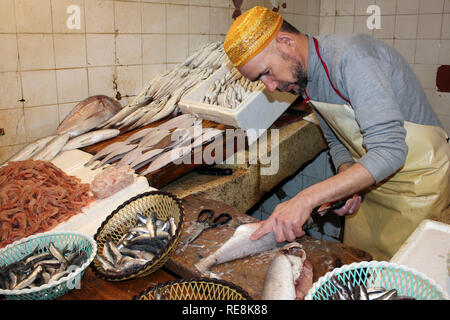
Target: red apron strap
(316,44)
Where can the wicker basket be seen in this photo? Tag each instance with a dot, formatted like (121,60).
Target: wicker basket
(407,281)
(125,216)
(195,289)
(20,249)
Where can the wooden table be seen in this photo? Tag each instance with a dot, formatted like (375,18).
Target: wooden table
(248,273)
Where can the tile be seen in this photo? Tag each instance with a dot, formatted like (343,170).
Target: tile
(68,16)
(127,17)
(99,16)
(7,152)
(301,7)
(12,121)
(153,18)
(360,25)
(177,48)
(290,7)
(361,7)
(220,3)
(445,120)
(387,28)
(406,26)
(301,22)
(36,51)
(72,85)
(154,49)
(177,18)
(446,5)
(444,53)
(327,8)
(151,71)
(406,48)
(7,17)
(427,51)
(220,21)
(128,49)
(314,8)
(431,6)
(9,55)
(129,80)
(388,7)
(102,81)
(426,75)
(70,50)
(313,25)
(345,7)
(41,121)
(64,109)
(100,49)
(445,33)
(199,20)
(34,16)
(196,41)
(344,25)
(39,88)
(199,2)
(440,101)
(10,90)
(408,6)
(429,26)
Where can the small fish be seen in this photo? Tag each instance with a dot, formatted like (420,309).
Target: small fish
(28,280)
(49,152)
(31,149)
(90,138)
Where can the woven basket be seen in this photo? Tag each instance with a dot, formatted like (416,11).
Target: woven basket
(124,217)
(195,289)
(407,281)
(20,249)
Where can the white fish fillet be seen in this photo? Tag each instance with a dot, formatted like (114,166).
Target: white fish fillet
(283,272)
(52,148)
(136,137)
(90,138)
(145,158)
(31,149)
(166,158)
(239,246)
(118,152)
(175,122)
(153,137)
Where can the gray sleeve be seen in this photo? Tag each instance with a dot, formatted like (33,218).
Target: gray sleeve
(338,152)
(368,87)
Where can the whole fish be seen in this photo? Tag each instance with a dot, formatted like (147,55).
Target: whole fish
(31,149)
(239,246)
(52,148)
(88,114)
(145,158)
(130,157)
(136,137)
(90,138)
(175,122)
(103,153)
(117,153)
(167,157)
(289,277)
(154,137)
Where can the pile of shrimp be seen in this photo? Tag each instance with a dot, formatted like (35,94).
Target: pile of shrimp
(35,196)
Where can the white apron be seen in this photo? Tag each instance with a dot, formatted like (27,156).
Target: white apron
(392,209)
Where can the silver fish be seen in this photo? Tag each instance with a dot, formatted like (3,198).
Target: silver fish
(153,137)
(90,138)
(52,148)
(31,149)
(117,153)
(175,122)
(28,280)
(145,158)
(239,246)
(103,153)
(88,114)
(165,158)
(136,137)
(131,156)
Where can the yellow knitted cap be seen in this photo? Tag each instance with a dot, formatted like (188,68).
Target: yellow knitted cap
(251,33)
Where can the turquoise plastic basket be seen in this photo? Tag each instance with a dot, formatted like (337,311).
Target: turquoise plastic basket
(407,281)
(19,249)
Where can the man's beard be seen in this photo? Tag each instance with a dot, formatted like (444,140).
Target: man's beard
(298,73)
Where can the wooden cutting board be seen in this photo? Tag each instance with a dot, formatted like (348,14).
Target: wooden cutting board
(248,273)
(169,173)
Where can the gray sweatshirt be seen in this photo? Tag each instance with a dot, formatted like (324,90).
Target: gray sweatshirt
(383,91)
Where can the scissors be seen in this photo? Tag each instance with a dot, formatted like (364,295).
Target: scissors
(207,221)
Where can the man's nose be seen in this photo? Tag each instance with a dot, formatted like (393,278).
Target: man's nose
(271,85)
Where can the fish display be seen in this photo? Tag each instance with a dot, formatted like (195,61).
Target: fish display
(88,114)
(231,90)
(239,246)
(52,149)
(39,268)
(137,246)
(31,149)
(90,138)
(348,291)
(289,276)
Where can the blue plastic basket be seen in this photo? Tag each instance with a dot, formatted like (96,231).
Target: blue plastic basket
(19,249)
(407,281)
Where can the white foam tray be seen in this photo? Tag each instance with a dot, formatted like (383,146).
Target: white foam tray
(259,111)
(427,250)
(90,219)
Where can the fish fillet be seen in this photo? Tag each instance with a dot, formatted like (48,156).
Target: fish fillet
(239,246)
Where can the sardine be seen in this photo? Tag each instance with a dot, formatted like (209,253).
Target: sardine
(31,149)
(91,138)
(52,148)
(28,280)
(239,246)
(88,114)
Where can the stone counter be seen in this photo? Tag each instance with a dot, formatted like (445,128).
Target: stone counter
(298,143)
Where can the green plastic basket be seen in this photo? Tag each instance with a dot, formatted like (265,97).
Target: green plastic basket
(407,281)
(19,249)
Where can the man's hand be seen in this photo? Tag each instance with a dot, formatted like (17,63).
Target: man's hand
(351,206)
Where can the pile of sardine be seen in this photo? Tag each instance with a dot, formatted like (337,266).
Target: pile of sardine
(38,269)
(137,246)
(231,90)
(350,292)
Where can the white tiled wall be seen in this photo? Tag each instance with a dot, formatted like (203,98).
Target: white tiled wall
(47,68)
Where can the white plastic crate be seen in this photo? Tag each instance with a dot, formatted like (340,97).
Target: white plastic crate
(259,111)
